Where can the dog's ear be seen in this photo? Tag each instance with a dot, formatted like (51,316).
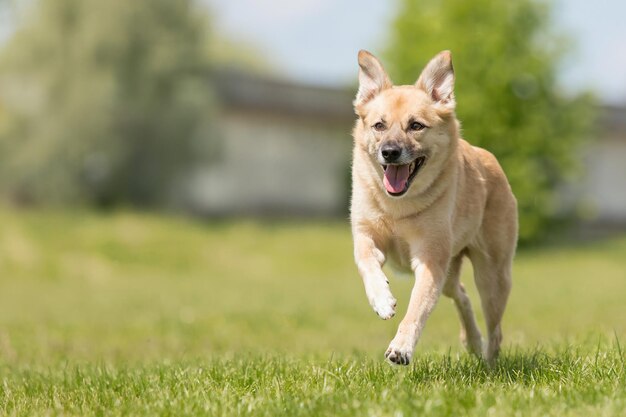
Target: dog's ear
(372,78)
(437,79)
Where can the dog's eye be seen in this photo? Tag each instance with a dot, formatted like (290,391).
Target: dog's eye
(379,126)
(416,126)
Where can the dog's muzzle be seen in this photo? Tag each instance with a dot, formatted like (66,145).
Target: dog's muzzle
(398,177)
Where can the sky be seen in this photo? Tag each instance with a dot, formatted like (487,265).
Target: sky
(316,41)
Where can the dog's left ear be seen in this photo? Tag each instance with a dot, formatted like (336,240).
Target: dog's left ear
(372,78)
(437,79)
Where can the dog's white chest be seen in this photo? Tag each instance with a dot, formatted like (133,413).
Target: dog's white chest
(398,255)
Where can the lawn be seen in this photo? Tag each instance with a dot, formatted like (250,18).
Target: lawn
(135,314)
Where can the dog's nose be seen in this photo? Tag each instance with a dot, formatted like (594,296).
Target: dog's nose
(391,152)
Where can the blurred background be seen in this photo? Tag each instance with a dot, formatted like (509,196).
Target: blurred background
(174,174)
(243,107)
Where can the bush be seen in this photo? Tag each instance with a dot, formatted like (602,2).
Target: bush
(508,99)
(105,101)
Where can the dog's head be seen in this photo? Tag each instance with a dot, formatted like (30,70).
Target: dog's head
(405,129)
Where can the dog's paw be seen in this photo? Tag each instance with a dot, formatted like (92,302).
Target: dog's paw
(400,350)
(398,357)
(384,304)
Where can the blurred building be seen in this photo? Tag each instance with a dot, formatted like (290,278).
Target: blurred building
(600,195)
(285,149)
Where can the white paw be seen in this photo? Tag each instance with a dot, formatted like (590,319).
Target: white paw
(400,350)
(383,303)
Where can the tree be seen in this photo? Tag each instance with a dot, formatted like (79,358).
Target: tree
(106,101)
(508,101)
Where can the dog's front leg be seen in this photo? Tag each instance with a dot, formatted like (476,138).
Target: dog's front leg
(369,260)
(430,270)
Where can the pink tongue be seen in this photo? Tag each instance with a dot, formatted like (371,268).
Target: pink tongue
(396,177)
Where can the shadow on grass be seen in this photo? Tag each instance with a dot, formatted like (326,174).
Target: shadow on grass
(523,367)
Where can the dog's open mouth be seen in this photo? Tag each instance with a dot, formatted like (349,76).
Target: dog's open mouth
(398,178)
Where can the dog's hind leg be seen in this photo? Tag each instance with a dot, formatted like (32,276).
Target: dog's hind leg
(453,288)
(492,274)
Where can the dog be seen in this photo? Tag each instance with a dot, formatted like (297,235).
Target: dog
(422,200)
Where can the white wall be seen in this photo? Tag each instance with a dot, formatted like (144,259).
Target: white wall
(603,188)
(268,163)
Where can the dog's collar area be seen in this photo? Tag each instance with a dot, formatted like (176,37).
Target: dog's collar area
(414,168)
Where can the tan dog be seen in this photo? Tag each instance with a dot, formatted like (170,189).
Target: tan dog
(422,199)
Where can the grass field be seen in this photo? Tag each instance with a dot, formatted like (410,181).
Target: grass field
(127,314)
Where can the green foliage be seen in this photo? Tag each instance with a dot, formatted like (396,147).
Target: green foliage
(103,101)
(508,100)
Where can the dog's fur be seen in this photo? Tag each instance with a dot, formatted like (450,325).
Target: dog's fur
(458,204)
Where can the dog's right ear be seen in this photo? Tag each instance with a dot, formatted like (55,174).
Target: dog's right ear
(372,78)
(437,79)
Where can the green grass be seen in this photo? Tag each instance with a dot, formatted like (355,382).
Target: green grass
(128,314)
